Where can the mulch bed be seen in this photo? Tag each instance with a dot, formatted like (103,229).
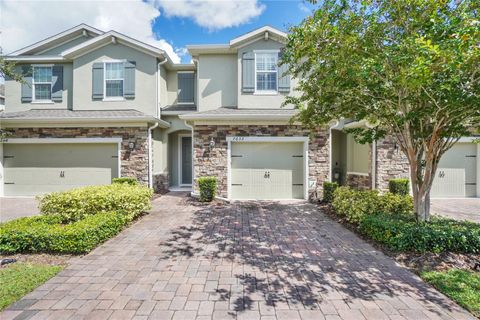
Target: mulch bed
(41,258)
(415,261)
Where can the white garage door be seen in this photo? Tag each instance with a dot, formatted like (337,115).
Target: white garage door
(267,170)
(457,172)
(32,169)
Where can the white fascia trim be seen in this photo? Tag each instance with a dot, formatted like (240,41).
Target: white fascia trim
(235,117)
(359,124)
(154,51)
(35,58)
(256,33)
(62,140)
(80,119)
(58,36)
(210,48)
(353,173)
(266,139)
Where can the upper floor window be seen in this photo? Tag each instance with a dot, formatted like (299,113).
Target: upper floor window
(114,79)
(186,87)
(42,83)
(266,72)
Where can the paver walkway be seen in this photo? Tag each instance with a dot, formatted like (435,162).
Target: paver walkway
(244,260)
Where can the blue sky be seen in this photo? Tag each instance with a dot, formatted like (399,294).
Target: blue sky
(184,31)
(167,24)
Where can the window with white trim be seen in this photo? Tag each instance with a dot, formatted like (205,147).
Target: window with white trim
(266,71)
(42,83)
(114,79)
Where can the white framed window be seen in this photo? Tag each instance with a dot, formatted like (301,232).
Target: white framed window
(266,72)
(114,80)
(42,83)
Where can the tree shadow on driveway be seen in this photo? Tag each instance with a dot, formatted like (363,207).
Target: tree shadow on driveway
(294,257)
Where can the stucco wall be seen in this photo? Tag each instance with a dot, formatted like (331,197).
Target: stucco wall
(145,80)
(217,81)
(134,163)
(13,93)
(259,101)
(214,162)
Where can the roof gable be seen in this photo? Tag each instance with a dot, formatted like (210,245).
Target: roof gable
(82,30)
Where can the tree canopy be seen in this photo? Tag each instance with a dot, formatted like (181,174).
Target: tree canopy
(410,67)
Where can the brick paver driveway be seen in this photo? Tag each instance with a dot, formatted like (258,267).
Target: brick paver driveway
(459,209)
(245,261)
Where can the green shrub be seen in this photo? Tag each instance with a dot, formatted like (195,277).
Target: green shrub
(328,190)
(399,186)
(208,188)
(74,205)
(355,204)
(403,233)
(126,180)
(48,234)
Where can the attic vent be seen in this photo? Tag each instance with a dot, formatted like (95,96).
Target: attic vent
(266,36)
(84,33)
(114,40)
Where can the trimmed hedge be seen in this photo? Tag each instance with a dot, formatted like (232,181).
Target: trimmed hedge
(126,180)
(403,233)
(208,188)
(399,186)
(355,204)
(76,204)
(328,190)
(48,234)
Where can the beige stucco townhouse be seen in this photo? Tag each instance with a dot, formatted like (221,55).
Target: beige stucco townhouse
(98,105)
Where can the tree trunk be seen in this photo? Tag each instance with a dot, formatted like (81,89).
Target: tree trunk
(421,179)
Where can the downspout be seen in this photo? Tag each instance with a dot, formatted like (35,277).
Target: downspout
(150,157)
(158,111)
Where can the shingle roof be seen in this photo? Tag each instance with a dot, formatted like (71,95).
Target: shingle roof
(236,113)
(60,115)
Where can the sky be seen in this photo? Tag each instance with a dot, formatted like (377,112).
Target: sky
(167,24)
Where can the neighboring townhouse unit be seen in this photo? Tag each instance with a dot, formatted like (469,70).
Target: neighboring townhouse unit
(98,105)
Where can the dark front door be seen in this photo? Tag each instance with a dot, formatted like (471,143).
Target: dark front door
(186,161)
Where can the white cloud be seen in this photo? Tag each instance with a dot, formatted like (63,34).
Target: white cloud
(26,22)
(213,14)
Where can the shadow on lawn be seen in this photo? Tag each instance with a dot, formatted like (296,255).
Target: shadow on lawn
(294,254)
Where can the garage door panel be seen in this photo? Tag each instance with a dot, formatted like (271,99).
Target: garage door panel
(32,169)
(267,170)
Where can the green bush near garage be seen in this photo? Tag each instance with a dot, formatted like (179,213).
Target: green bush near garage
(208,188)
(48,234)
(125,180)
(404,234)
(355,204)
(74,205)
(328,190)
(399,186)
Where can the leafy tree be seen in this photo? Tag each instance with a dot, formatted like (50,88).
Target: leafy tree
(409,67)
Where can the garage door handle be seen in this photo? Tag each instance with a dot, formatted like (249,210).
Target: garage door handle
(267,175)
(62,174)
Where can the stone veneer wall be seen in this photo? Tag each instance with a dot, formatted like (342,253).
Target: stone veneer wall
(134,163)
(214,162)
(161,182)
(391,163)
(360,182)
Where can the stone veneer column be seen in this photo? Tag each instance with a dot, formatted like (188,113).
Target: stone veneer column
(214,162)
(391,163)
(134,162)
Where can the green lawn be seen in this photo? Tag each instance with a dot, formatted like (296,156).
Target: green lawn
(20,278)
(460,285)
